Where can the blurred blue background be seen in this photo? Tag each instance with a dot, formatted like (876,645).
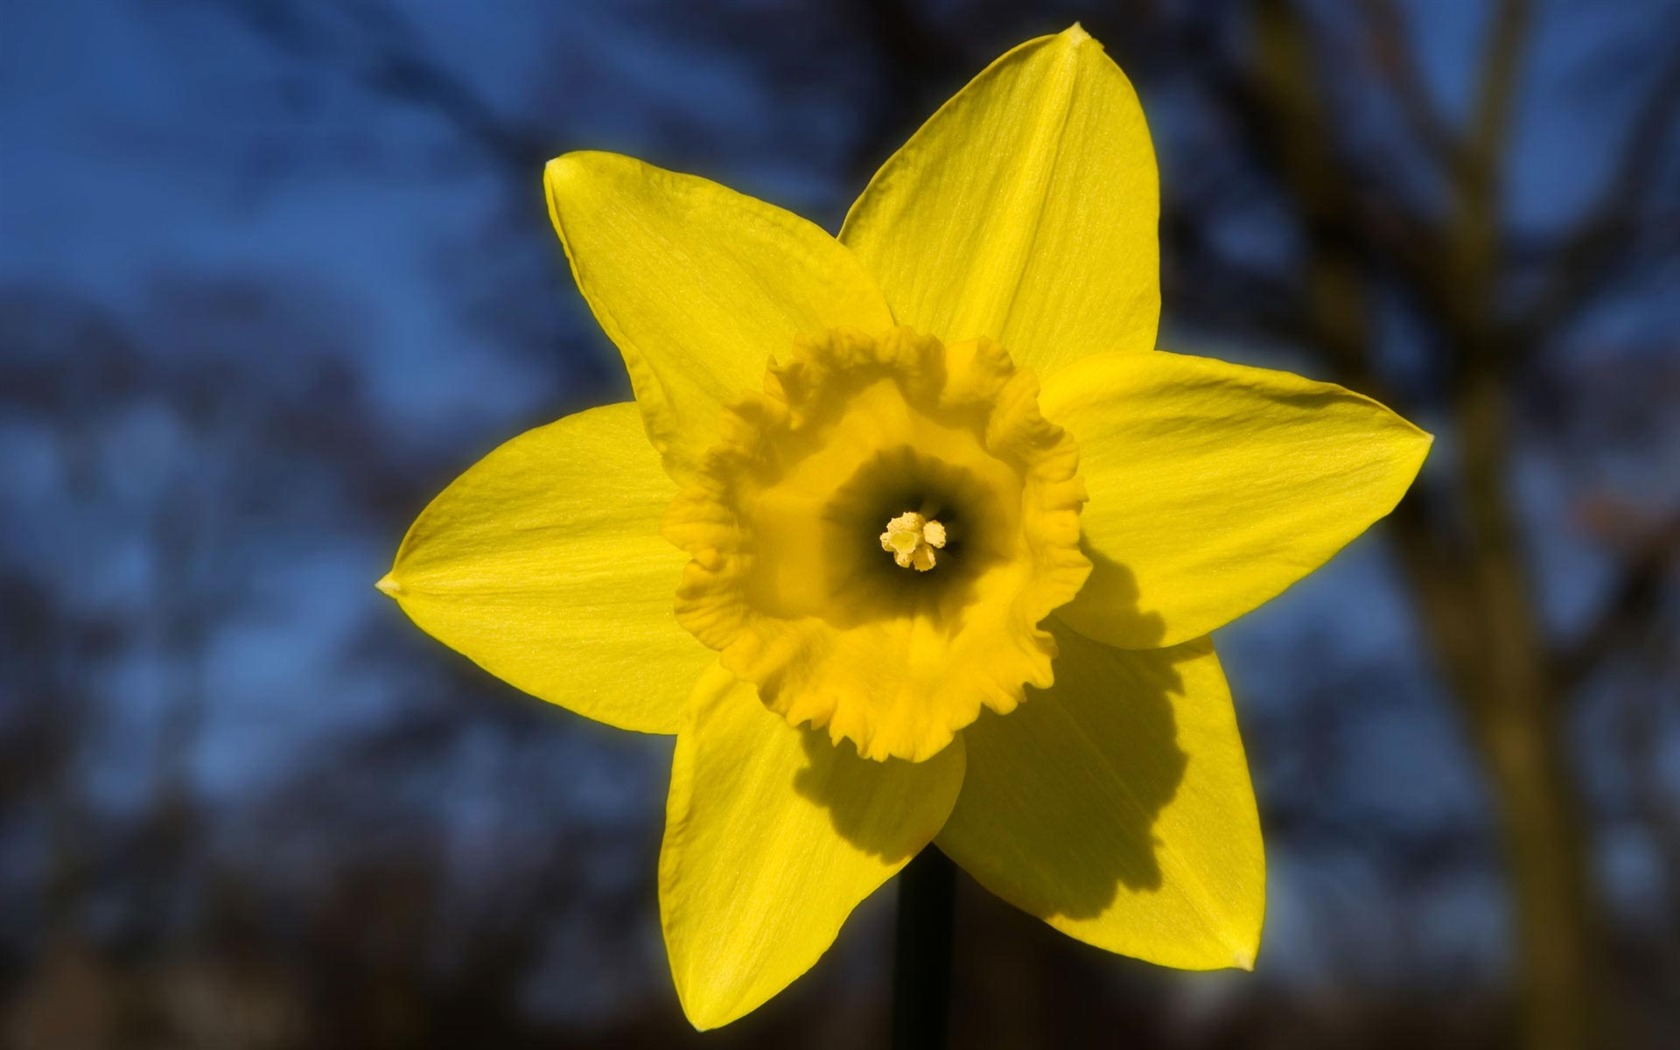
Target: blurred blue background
(272,273)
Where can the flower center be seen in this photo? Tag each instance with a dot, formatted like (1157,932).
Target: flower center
(911,539)
(782,524)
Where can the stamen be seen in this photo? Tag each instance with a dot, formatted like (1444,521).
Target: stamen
(911,539)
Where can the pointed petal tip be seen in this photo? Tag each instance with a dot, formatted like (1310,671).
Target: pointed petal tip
(708,1022)
(388,586)
(1243,961)
(565,170)
(1075,34)
(560,169)
(1425,444)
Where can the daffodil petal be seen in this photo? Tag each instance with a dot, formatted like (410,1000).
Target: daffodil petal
(1024,211)
(1116,806)
(699,286)
(772,836)
(1214,486)
(544,564)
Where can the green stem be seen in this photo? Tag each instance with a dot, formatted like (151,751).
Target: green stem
(922,952)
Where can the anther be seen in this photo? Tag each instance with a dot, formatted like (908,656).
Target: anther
(911,539)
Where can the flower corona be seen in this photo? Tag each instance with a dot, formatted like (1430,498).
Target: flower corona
(781,524)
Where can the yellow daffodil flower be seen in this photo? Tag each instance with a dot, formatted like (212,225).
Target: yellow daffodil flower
(885,587)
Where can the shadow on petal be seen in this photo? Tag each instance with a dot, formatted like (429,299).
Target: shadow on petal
(1062,795)
(1116,804)
(1097,760)
(1107,606)
(890,809)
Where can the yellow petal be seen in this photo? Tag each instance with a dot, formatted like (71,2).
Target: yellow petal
(1116,806)
(544,564)
(1024,211)
(1214,486)
(699,286)
(772,836)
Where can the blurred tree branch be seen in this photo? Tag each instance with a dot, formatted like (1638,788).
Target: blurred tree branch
(1613,234)
(1385,36)
(385,55)
(1632,600)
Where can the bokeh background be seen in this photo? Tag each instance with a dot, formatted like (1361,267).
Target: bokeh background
(272,273)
